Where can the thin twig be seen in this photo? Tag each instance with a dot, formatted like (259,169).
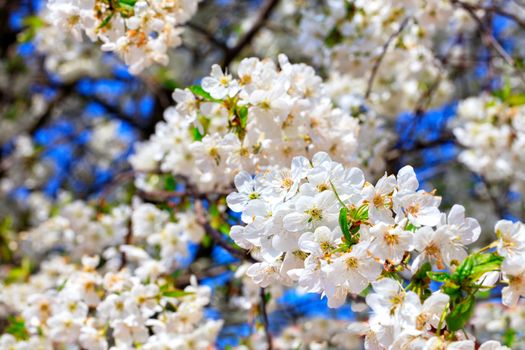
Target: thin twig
(500,208)
(219,237)
(384,50)
(489,37)
(127,241)
(265,320)
(209,36)
(264,13)
(494,9)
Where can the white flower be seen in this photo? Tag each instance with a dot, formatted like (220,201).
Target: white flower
(390,242)
(493,345)
(248,188)
(322,241)
(64,327)
(390,299)
(420,208)
(220,85)
(312,212)
(446,244)
(92,338)
(354,271)
(380,204)
(514,272)
(511,238)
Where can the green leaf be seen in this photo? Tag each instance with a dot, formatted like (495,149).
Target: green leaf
(438,276)
(169,183)
(243,116)
(62,285)
(465,269)
(343,222)
(17,328)
(461,313)
(484,263)
(106,20)
(197,136)
(176,293)
(333,38)
(19,274)
(516,100)
(224,228)
(509,337)
(200,92)
(127,2)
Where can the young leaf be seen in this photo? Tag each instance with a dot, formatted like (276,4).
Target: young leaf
(199,91)
(175,293)
(461,313)
(465,269)
(197,136)
(485,263)
(343,222)
(438,276)
(243,116)
(17,328)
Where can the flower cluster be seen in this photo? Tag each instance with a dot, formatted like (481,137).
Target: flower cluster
(511,246)
(392,40)
(70,59)
(495,321)
(323,227)
(139,31)
(492,132)
(308,334)
(70,306)
(293,226)
(80,229)
(264,116)
(24,166)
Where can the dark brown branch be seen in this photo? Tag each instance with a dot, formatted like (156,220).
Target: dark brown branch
(219,237)
(489,38)
(264,316)
(209,36)
(264,14)
(499,205)
(127,241)
(495,9)
(384,50)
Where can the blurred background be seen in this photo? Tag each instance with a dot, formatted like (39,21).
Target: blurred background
(71,115)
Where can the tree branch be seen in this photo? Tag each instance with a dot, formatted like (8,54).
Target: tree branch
(264,14)
(384,50)
(489,38)
(209,36)
(219,237)
(266,322)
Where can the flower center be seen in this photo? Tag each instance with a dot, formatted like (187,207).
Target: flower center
(315,214)
(391,239)
(351,263)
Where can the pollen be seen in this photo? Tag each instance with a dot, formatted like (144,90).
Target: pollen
(287,183)
(413,209)
(315,214)
(244,152)
(391,239)
(325,246)
(245,79)
(351,263)
(265,104)
(224,81)
(322,187)
(378,200)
